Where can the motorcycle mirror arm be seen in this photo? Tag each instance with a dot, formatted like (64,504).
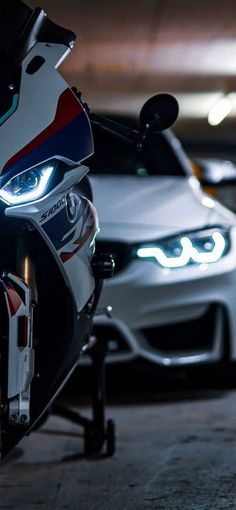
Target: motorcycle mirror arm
(119,130)
(142,135)
(115,128)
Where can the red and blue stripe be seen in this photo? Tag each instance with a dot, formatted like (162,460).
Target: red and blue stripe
(68,136)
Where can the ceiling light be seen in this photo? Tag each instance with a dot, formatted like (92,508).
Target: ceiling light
(219,111)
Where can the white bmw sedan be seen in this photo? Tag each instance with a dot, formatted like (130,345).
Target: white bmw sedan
(173,295)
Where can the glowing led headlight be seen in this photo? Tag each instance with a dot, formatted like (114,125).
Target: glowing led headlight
(201,248)
(27,186)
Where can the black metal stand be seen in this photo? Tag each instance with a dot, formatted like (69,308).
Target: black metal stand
(97,432)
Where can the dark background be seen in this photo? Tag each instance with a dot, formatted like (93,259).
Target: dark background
(128,50)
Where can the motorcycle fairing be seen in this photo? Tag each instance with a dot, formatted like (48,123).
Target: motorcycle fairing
(48,122)
(72,243)
(56,356)
(13,106)
(58,138)
(51,123)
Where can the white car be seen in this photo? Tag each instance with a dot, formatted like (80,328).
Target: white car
(218,178)
(173,295)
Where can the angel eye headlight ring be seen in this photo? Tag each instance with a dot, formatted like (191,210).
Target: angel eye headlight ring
(203,247)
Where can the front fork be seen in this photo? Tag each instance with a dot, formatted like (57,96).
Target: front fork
(20,294)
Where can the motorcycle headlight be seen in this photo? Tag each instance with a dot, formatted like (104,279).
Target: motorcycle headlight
(27,186)
(202,247)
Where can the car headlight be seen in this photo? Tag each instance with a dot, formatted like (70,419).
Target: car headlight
(28,185)
(202,247)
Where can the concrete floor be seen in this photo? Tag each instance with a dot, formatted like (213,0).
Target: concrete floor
(178,455)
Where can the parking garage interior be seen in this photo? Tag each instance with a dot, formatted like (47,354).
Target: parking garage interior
(174,407)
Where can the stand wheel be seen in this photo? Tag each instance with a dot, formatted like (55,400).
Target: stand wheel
(111,438)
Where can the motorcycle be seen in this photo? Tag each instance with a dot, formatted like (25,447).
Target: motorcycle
(50,275)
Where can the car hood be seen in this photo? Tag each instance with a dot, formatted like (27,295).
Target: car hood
(133,208)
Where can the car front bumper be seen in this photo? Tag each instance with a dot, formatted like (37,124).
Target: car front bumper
(172,317)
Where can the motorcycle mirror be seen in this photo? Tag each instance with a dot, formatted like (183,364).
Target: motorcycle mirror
(159,112)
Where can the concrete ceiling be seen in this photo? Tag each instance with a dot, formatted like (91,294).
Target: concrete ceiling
(128,50)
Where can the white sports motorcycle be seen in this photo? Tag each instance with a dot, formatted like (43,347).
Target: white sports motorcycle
(50,278)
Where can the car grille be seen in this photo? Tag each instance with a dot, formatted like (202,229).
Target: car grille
(196,334)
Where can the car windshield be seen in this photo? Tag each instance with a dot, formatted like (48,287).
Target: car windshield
(116,156)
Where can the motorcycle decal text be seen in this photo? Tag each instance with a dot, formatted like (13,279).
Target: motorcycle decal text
(53,209)
(59,229)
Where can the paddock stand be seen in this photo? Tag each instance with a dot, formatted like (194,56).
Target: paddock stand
(97,431)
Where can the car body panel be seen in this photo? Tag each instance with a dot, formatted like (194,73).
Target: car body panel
(147,208)
(144,295)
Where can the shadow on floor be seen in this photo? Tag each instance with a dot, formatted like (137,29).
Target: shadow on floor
(141,382)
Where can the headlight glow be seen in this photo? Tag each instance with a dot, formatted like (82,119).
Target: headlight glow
(27,186)
(192,249)
(214,254)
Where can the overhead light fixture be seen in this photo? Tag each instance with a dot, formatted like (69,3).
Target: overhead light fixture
(219,111)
